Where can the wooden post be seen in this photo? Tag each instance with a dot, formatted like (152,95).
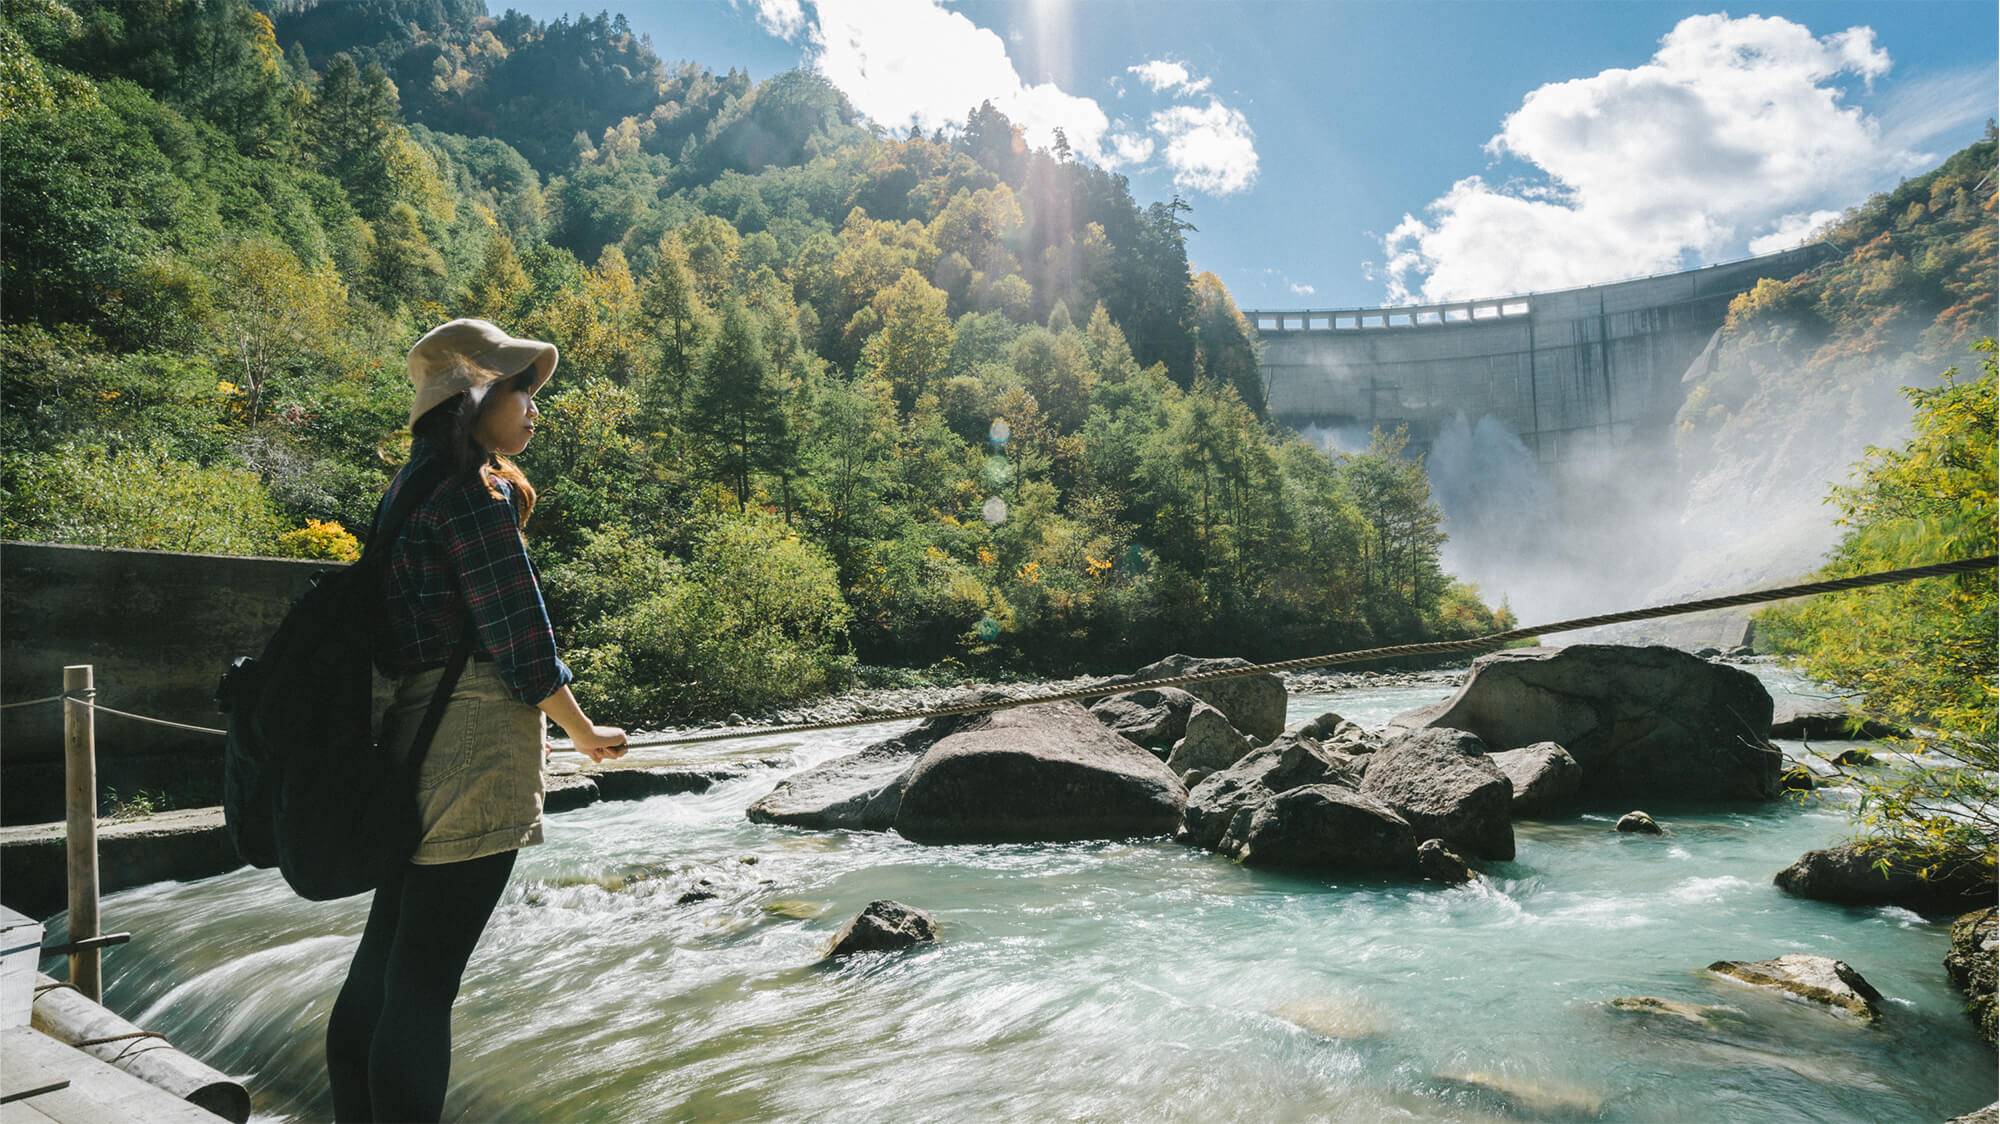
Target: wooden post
(80,792)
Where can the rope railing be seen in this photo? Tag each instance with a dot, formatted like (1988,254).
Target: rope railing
(1485,643)
(98,706)
(1365,655)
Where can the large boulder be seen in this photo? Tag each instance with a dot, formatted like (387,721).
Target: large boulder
(1254,704)
(1970,964)
(1044,772)
(1152,719)
(859,792)
(1819,979)
(1445,785)
(1241,789)
(1326,828)
(1650,721)
(1211,743)
(1848,874)
(1544,776)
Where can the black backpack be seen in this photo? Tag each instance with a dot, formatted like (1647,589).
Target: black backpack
(306,787)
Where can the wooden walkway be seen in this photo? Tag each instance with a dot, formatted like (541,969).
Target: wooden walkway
(42,1080)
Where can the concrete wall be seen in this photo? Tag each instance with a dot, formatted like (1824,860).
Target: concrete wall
(1575,373)
(158,627)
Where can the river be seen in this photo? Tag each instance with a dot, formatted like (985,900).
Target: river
(659,961)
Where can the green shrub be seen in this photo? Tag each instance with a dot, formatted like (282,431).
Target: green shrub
(136,499)
(754,618)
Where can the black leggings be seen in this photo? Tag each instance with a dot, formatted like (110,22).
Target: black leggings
(388,1042)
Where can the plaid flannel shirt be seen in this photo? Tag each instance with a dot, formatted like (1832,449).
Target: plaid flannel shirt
(461,554)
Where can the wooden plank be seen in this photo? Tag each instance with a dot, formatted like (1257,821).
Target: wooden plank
(97,1094)
(23,1112)
(23,1076)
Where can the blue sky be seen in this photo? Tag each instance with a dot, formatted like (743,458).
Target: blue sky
(1341,153)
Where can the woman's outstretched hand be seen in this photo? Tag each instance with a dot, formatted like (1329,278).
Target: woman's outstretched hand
(599,743)
(603,744)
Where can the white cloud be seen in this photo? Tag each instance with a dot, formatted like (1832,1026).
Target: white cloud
(1131,148)
(1210,149)
(1301,290)
(1160,74)
(782,18)
(905,61)
(1791,230)
(1734,126)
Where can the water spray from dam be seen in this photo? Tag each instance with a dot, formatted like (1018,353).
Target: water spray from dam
(1547,425)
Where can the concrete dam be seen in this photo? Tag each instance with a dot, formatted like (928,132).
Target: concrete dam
(1576,373)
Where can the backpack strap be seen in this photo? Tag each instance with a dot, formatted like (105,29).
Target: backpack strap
(434,714)
(415,490)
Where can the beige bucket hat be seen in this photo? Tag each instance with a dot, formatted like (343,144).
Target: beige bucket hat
(471,355)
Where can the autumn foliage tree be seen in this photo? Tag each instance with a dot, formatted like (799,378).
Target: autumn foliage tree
(1920,653)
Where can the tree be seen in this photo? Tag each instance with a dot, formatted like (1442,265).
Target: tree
(1920,653)
(500,284)
(1400,577)
(1056,370)
(739,402)
(914,342)
(214,59)
(1225,346)
(849,457)
(354,113)
(277,312)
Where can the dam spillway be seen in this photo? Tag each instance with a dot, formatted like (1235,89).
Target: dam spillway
(1576,373)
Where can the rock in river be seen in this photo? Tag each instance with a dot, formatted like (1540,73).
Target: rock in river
(1970,964)
(1048,772)
(1327,828)
(1639,823)
(1796,718)
(884,926)
(1254,704)
(1847,874)
(1440,863)
(1446,787)
(1238,791)
(857,792)
(1819,979)
(1153,719)
(1544,776)
(1650,721)
(1211,744)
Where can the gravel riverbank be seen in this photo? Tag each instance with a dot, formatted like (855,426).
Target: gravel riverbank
(893,700)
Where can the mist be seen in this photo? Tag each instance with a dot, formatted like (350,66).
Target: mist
(1656,522)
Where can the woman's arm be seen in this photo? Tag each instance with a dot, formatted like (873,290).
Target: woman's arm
(594,741)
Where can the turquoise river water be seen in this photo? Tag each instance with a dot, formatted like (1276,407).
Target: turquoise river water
(1134,980)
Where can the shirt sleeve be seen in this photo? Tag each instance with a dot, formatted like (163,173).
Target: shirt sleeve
(502,595)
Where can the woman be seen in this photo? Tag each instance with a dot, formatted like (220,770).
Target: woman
(459,563)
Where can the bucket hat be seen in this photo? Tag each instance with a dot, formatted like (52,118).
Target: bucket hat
(462,355)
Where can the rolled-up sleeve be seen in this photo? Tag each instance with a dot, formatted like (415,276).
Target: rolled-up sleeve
(502,595)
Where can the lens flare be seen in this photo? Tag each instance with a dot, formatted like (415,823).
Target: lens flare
(988,628)
(995,511)
(998,471)
(999,431)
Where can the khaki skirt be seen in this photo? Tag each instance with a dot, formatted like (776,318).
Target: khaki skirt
(480,788)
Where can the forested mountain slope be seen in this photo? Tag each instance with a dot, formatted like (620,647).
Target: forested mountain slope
(827,394)
(1807,374)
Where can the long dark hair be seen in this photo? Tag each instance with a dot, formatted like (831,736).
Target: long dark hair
(451,427)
